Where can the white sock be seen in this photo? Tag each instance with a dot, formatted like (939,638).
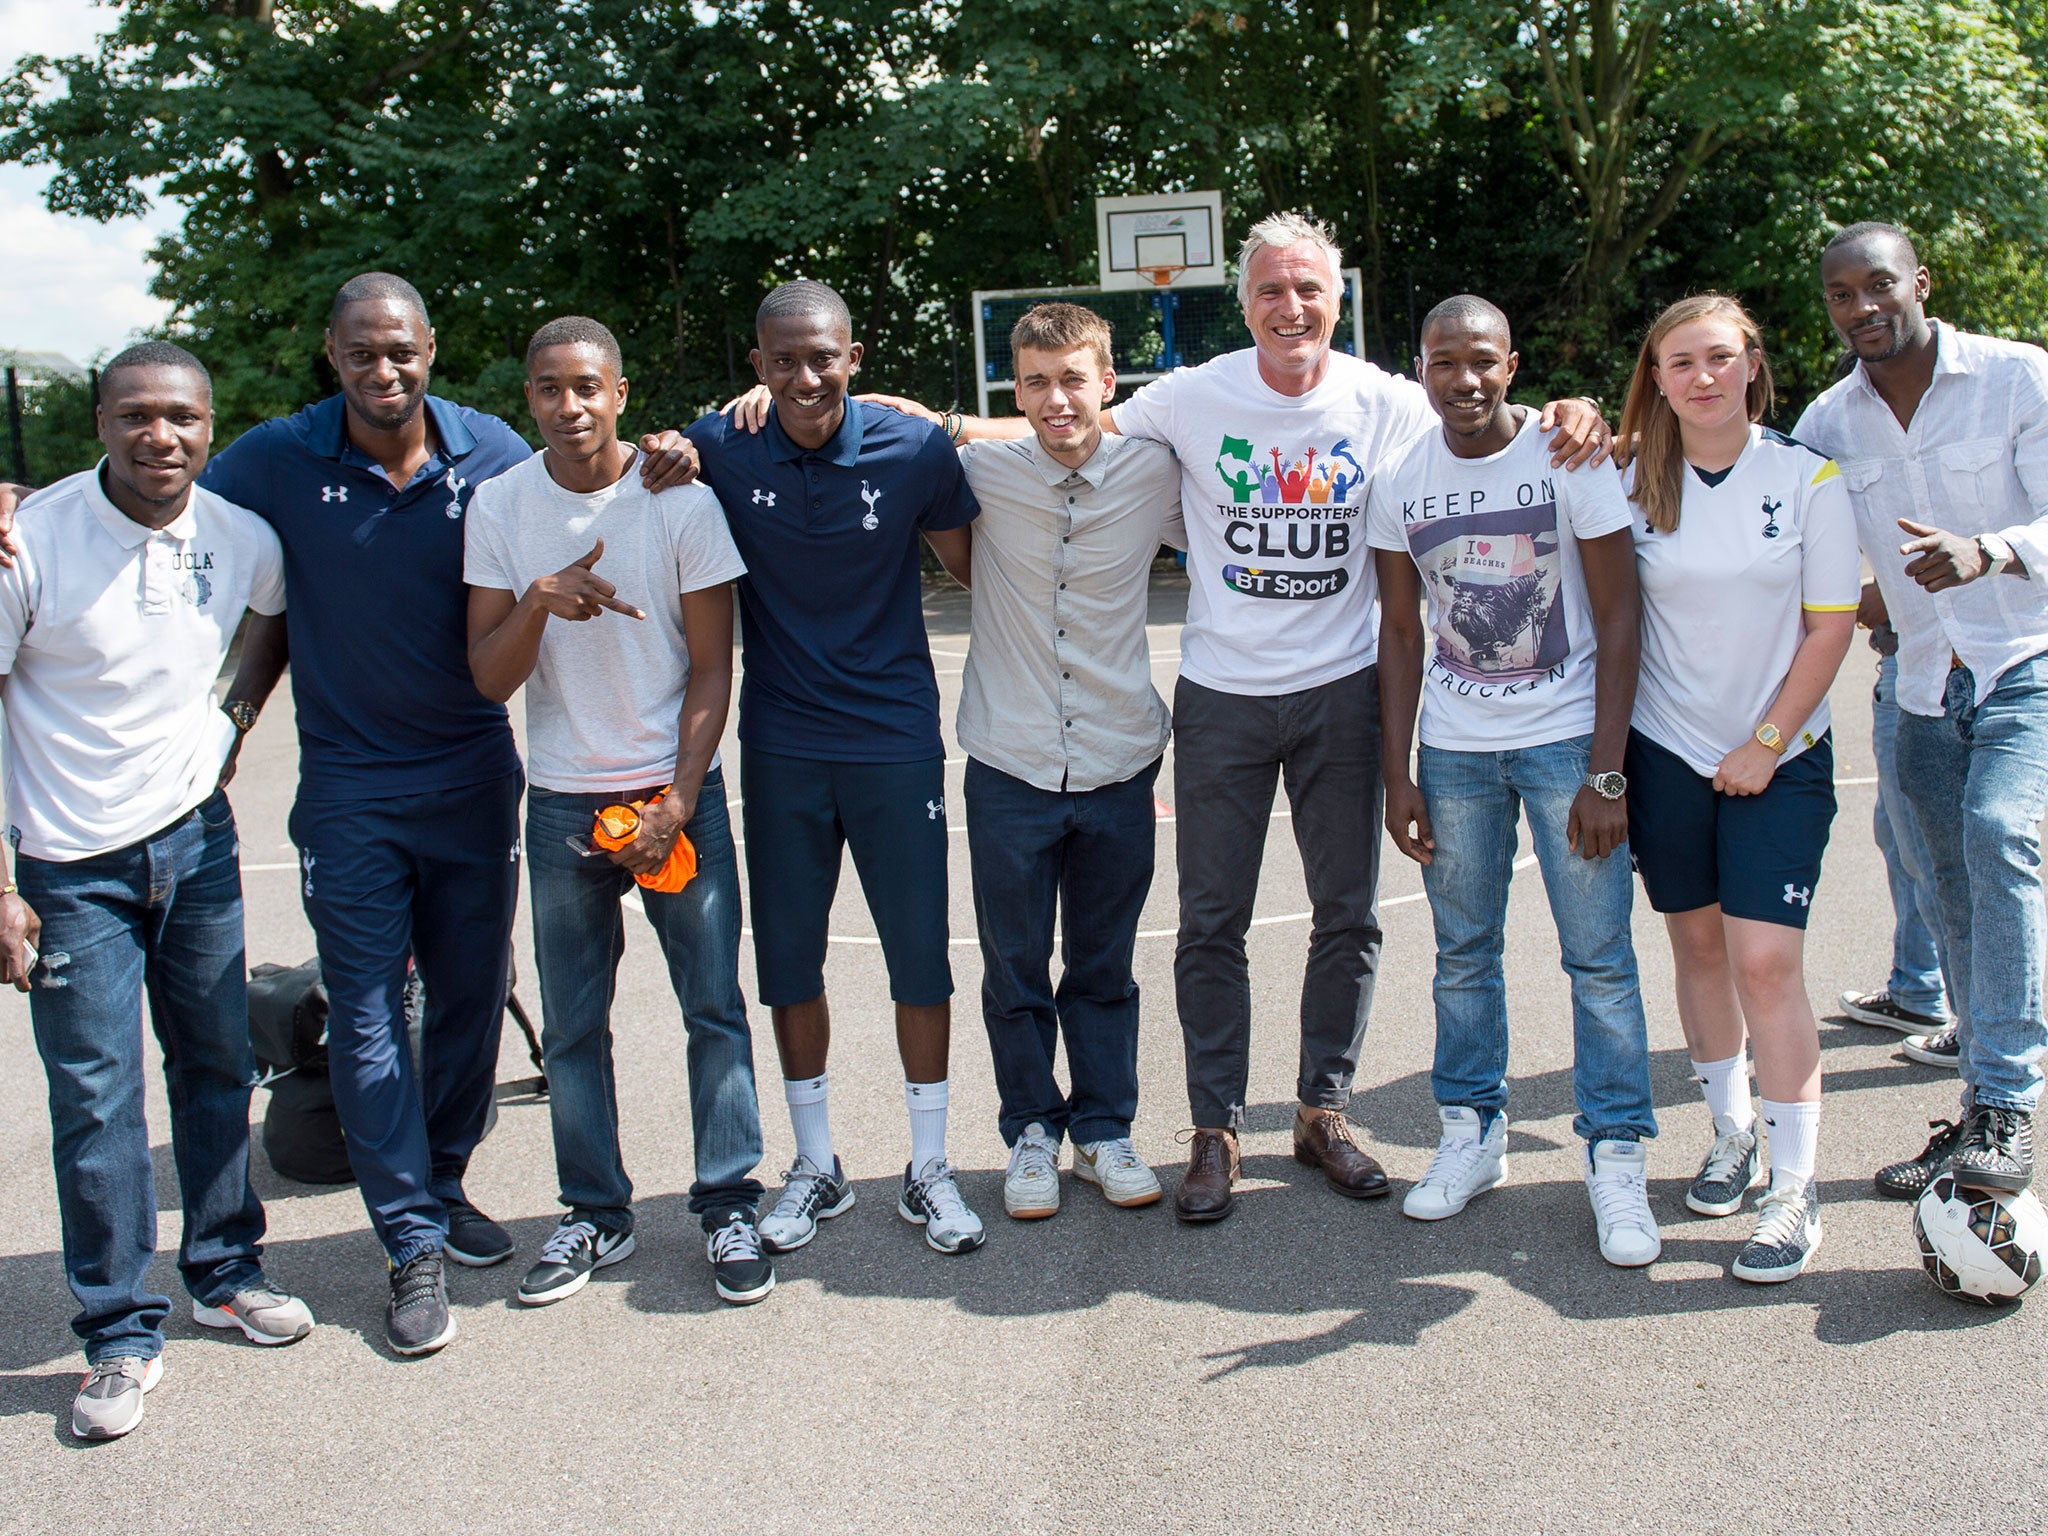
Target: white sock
(1795,1134)
(810,1116)
(1726,1087)
(927,1105)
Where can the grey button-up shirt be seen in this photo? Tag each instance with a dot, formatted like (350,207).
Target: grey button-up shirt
(1058,686)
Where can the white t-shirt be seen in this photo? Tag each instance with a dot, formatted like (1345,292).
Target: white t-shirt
(1281,591)
(111,639)
(606,697)
(1496,541)
(1722,596)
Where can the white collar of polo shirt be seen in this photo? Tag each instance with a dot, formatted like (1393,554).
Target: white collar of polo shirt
(126,531)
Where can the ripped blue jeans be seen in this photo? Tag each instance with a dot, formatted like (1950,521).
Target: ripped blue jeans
(160,919)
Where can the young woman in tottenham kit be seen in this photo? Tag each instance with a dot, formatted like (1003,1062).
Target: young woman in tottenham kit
(1746,552)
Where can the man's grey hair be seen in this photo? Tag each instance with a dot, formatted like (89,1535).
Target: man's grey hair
(1278,231)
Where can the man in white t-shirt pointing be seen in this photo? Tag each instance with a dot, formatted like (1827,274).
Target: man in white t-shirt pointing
(115,617)
(1529,577)
(1279,677)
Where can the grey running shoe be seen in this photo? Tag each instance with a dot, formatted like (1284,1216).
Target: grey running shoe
(932,1200)
(1937,1050)
(808,1197)
(567,1260)
(1787,1236)
(265,1314)
(418,1321)
(1731,1170)
(109,1401)
(1908,1180)
(1881,1009)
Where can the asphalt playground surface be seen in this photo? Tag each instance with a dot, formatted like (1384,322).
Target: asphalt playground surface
(1311,1364)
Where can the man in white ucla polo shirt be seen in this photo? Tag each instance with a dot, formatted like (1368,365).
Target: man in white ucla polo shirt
(115,618)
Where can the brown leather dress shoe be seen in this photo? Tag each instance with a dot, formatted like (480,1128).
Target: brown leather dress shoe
(1322,1139)
(1205,1193)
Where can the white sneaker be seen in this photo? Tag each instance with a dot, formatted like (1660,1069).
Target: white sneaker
(1617,1182)
(933,1201)
(1465,1164)
(1031,1189)
(809,1196)
(1115,1168)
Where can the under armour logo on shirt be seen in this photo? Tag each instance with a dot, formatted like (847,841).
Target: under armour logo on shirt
(334,493)
(1803,894)
(763,498)
(870,522)
(934,809)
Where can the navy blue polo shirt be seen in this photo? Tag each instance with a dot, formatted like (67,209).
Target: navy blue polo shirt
(374,600)
(831,612)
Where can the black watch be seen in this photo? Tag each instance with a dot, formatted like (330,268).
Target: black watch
(1608,786)
(243,713)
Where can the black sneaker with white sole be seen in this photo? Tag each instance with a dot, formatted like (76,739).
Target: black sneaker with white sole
(569,1257)
(1731,1170)
(1942,1049)
(1881,1009)
(1908,1180)
(740,1270)
(473,1238)
(418,1321)
(1995,1151)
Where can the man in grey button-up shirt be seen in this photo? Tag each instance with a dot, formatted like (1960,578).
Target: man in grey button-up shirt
(1064,732)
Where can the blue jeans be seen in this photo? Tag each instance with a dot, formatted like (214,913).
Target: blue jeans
(1977,778)
(1916,980)
(579,933)
(160,919)
(1089,854)
(1474,800)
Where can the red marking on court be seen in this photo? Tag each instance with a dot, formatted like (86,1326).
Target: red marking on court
(1160,809)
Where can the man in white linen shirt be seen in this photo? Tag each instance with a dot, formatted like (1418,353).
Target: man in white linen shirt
(1942,437)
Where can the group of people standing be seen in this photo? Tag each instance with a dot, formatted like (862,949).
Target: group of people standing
(1638,660)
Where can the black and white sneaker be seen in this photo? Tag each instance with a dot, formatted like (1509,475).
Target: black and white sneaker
(1731,1170)
(418,1321)
(1882,1009)
(1995,1151)
(1941,1049)
(808,1197)
(933,1201)
(1909,1180)
(742,1273)
(567,1259)
(473,1238)
(1787,1236)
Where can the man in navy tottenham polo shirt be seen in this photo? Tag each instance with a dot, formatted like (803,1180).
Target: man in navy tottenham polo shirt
(839,719)
(409,782)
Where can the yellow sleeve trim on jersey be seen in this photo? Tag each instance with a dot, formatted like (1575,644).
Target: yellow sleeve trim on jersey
(1828,471)
(1829,607)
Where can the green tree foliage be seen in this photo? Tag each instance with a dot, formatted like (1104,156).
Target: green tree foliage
(658,165)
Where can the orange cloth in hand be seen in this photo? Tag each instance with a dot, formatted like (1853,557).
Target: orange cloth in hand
(618,825)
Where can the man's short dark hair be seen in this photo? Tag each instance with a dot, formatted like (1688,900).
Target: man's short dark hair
(803,298)
(1468,309)
(577,330)
(152,354)
(376,287)
(1872,229)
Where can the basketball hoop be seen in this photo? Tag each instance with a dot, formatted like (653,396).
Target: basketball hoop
(1163,275)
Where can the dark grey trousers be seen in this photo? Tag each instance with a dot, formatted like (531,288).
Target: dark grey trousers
(1229,750)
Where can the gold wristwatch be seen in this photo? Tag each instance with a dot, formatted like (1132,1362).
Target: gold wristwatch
(1771,737)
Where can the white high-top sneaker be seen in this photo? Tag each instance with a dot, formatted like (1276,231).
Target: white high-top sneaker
(1617,1182)
(1465,1164)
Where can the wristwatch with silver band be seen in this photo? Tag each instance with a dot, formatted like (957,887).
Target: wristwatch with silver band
(1608,786)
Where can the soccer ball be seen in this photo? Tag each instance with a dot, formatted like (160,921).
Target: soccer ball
(1980,1246)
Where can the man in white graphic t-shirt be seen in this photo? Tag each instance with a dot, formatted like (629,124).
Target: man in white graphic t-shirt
(1529,576)
(1279,678)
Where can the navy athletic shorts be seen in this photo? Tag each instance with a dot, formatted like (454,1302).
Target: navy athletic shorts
(799,813)
(1758,856)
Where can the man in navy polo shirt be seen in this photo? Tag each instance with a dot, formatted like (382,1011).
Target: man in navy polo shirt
(839,718)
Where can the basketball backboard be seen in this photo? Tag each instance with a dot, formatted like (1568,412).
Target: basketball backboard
(1140,240)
